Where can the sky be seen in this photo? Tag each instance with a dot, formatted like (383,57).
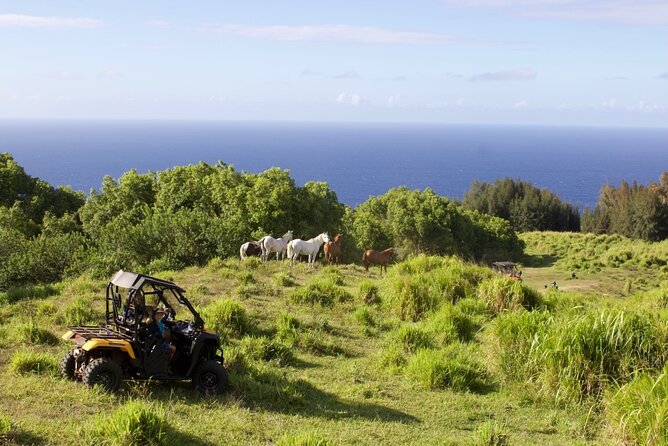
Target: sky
(537,62)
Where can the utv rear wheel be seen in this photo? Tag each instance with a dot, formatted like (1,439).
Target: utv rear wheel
(103,372)
(211,378)
(67,365)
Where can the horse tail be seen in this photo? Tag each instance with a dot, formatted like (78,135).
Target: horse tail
(242,252)
(291,250)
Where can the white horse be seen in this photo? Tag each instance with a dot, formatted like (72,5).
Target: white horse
(269,244)
(311,247)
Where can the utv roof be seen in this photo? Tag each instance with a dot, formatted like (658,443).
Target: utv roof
(127,279)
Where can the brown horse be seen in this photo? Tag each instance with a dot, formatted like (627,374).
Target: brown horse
(373,257)
(333,250)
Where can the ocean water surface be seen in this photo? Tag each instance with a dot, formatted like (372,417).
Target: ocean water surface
(357,160)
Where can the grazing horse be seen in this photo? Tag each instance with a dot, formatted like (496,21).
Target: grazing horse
(311,247)
(269,244)
(333,250)
(250,249)
(373,257)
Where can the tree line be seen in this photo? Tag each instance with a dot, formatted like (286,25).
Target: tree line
(188,215)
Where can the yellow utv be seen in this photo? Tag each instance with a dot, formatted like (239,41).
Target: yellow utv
(151,332)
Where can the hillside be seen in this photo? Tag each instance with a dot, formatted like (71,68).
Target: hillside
(435,352)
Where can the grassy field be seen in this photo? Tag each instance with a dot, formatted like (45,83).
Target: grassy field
(424,355)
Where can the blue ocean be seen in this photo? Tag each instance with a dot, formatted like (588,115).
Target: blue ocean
(357,160)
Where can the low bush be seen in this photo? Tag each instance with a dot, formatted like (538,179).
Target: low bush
(368,292)
(227,318)
(46,309)
(135,423)
(303,439)
(317,342)
(412,338)
(251,263)
(246,277)
(638,410)
(453,367)
(412,297)
(501,294)
(247,290)
(333,274)
(26,361)
(320,291)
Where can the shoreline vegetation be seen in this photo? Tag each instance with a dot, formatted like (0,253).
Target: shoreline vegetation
(438,350)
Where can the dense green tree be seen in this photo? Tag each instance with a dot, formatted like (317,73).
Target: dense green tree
(633,210)
(527,207)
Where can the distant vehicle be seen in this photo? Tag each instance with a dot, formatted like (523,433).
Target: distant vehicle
(507,269)
(143,338)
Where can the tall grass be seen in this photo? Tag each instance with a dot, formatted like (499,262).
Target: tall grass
(27,361)
(303,439)
(368,292)
(135,423)
(81,311)
(32,333)
(29,292)
(638,410)
(227,318)
(500,293)
(321,291)
(454,367)
(580,355)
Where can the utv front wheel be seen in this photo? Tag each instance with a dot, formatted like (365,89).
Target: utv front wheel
(211,378)
(67,365)
(103,372)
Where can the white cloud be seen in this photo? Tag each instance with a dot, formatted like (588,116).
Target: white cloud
(643,106)
(307,72)
(392,101)
(335,33)
(521,104)
(353,99)
(520,74)
(611,103)
(44,22)
(623,12)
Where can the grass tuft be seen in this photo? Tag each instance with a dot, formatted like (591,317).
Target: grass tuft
(135,423)
(227,318)
(368,293)
(25,362)
(453,367)
(302,439)
(32,333)
(320,291)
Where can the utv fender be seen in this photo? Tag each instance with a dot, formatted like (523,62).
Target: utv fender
(203,341)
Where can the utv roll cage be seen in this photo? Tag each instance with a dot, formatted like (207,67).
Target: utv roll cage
(125,317)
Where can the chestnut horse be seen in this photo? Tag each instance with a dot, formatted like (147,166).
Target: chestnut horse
(373,257)
(333,250)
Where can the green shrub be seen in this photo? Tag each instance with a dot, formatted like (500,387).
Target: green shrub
(453,367)
(135,423)
(320,291)
(638,410)
(80,312)
(501,294)
(26,361)
(200,289)
(31,333)
(333,274)
(215,263)
(227,318)
(286,323)
(303,439)
(394,357)
(284,280)
(246,290)
(264,349)
(449,323)
(368,292)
